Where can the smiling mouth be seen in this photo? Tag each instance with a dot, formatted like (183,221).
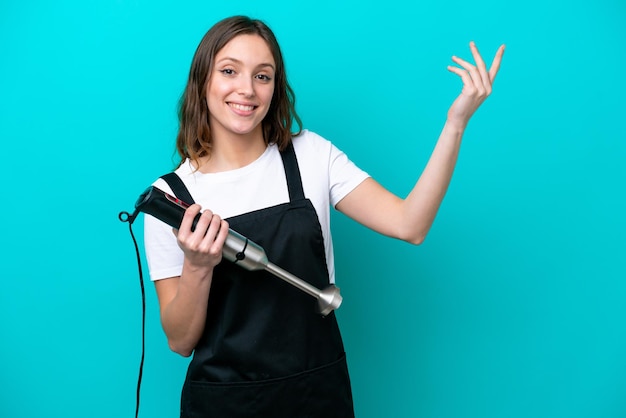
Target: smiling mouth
(244,108)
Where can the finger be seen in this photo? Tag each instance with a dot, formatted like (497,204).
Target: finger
(466,65)
(187,222)
(212,232)
(480,65)
(495,64)
(193,239)
(220,239)
(465,76)
(478,59)
(476,82)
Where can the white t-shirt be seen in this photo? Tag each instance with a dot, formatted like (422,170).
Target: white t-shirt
(327,177)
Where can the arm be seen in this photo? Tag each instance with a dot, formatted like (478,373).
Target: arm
(410,219)
(183,300)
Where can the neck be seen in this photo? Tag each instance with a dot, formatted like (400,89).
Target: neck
(230,152)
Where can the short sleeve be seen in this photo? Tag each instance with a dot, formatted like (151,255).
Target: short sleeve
(344,175)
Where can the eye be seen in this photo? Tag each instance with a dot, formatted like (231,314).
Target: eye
(227,71)
(264,77)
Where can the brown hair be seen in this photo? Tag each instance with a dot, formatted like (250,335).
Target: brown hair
(194,134)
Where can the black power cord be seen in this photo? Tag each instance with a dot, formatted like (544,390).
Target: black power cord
(126,217)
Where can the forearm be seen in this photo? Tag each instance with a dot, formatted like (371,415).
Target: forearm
(421,205)
(425,199)
(183,317)
(410,219)
(407,219)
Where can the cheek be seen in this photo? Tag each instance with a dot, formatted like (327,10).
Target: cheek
(212,92)
(268,98)
(214,96)
(268,94)
(218,88)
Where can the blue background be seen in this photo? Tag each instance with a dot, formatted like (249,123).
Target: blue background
(514,305)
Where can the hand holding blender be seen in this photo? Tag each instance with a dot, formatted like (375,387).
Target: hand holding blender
(237,248)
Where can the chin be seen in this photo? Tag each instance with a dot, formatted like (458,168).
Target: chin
(248,130)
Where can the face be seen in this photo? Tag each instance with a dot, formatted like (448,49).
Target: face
(240,88)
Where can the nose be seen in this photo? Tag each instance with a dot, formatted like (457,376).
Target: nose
(246,86)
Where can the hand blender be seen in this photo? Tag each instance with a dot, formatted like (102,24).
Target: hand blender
(237,248)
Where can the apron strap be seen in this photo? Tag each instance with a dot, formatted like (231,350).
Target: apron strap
(292,172)
(178,187)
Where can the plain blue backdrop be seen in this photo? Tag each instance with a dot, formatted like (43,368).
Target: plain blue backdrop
(514,305)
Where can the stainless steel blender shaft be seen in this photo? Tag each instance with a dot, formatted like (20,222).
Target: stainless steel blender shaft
(251,256)
(237,248)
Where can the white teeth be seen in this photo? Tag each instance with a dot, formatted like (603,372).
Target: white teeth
(241,107)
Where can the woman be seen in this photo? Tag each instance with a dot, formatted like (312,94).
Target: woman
(259,347)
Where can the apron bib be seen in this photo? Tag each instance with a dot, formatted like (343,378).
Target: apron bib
(265,352)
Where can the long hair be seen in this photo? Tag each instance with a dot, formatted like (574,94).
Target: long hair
(194,134)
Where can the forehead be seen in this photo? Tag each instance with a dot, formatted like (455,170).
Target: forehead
(248,49)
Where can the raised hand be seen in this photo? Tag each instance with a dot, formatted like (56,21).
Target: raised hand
(477,85)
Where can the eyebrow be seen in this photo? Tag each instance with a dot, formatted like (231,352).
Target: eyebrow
(235,60)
